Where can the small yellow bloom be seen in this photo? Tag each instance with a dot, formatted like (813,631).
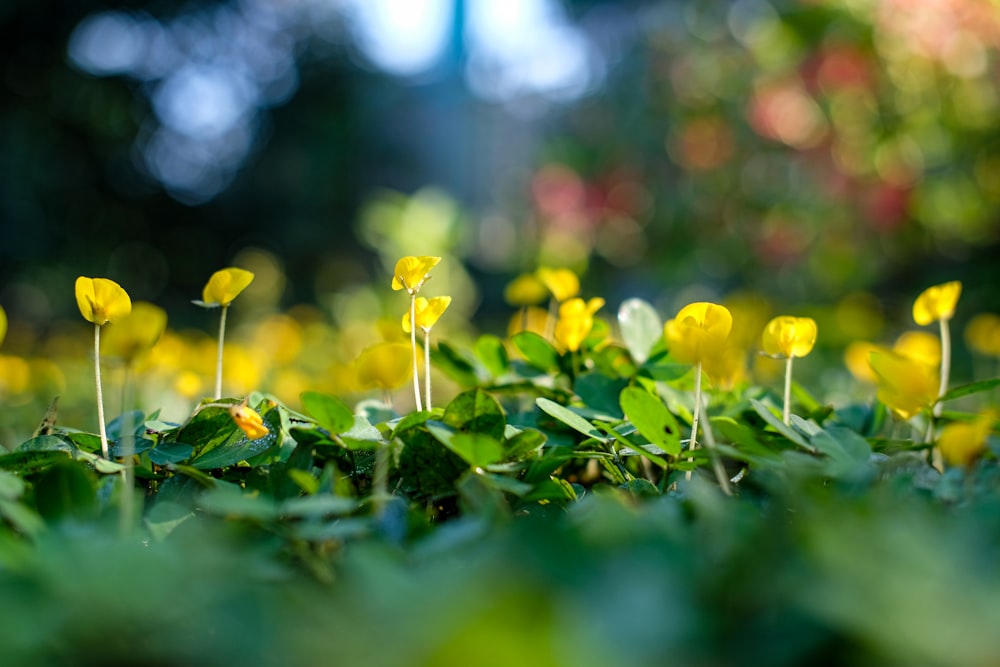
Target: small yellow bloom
(786,336)
(727,368)
(101,300)
(562,283)
(905,386)
(857,358)
(386,366)
(137,332)
(225,285)
(983,334)
(525,290)
(576,319)
(961,443)
(919,346)
(411,272)
(700,330)
(937,303)
(249,421)
(428,311)
(3,324)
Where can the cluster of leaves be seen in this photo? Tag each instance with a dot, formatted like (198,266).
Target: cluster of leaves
(549,514)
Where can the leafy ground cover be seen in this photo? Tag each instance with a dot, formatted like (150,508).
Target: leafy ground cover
(584,499)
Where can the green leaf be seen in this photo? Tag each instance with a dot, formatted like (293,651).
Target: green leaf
(476,411)
(237,447)
(640,327)
(505,484)
(170,452)
(45,443)
(476,449)
(570,418)
(30,462)
(493,353)
(317,506)
(329,412)
(451,362)
(66,489)
(128,423)
(652,419)
(969,389)
(22,518)
(780,426)
(600,392)
(11,486)
(536,350)
(304,480)
(522,444)
(728,429)
(231,501)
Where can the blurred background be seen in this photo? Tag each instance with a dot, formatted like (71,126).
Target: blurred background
(819,157)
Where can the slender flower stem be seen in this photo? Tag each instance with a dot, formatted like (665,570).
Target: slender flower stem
(720,472)
(218,359)
(787,414)
(100,392)
(413,345)
(945,365)
(427,369)
(697,415)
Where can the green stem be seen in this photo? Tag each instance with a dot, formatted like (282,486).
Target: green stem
(720,472)
(945,365)
(427,369)
(100,392)
(380,478)
(218,359)
(697,414)
(413,346)
(787,414)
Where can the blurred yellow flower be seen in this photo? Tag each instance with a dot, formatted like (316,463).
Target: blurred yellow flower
(532,318)
(249,421)
(525,290)
(919,346)
(727,368)
(937,303)
(224,286)
(137,332)
(857,358)
(905,386)
(411,272)
(961,443)
(700,330)
(101,300)
(786,336)
(428,311)
(3,324)
(983,334)
(576,319)
(563,284)
(384,365)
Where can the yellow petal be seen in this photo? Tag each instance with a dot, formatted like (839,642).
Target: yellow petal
(525,290)
(137,332)
(411,272)
(919,346)
(562,283)
(101,300)
(787,336)
(576,319)
(937,303)
(225,285)
(427,312)
(856,358)
(249,421)
(699,330)
(961,443)
(3,324)
(905,386)
(983,334)
(387,366)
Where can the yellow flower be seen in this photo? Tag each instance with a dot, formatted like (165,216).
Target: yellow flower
(961,443)
(786,336)
(699,331)
(525,290)
(384,365)
(411,272)
(562,283)
(249,421)
(857,358)
(3,324)
(905,386)
(428,311)
(576,319)
(224,286)
(137,332)
(936,303)
(727,368)
(919,346)
(101,300)
(983,334)
(531,318)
